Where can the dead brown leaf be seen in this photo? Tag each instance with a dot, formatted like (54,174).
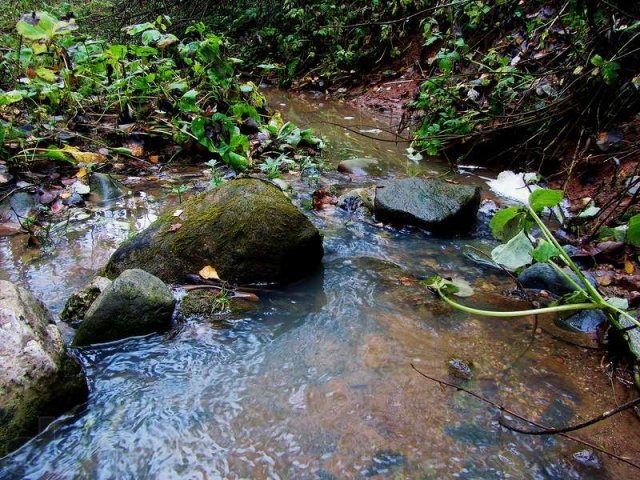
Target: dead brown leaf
(209,273)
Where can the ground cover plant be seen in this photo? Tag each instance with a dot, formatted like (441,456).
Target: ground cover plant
(77,103)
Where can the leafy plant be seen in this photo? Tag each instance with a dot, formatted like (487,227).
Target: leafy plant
(517,226)
(179,190)
(216,178)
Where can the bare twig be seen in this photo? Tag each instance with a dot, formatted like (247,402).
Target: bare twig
(504,409)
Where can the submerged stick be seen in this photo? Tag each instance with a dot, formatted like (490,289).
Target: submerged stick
(536,424)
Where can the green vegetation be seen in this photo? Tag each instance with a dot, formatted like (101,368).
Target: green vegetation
(297,40)
(517,227)
(184,90)
(526,77)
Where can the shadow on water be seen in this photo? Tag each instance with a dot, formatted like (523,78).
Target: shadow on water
(316,382)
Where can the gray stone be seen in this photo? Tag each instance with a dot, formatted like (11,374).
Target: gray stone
(74,200)
(431,204)
(104,189)
(77,305)
(136,303)
(585,321)
(542,276)
(5,176)
(246,229)
(17,206)
(359,167)
(37,378)
(354,199)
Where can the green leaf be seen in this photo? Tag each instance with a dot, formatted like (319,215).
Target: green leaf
(40,26)
(572,298)
(188,102)
(597,60)
(441,285)
(57,154)
(139,28)
(242,110)
(544,198)
(165,40)
(633,231)
(117,52)
(151,36)
(237,161)
(544,252)
(46,74)
(499,222)
(515,253)
(12,96)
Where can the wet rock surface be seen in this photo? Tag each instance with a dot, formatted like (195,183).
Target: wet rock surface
(247,229)
(542,276)
(136,303)
(359,200)
(432,204)
(37,379)
(359,167)
(77,305)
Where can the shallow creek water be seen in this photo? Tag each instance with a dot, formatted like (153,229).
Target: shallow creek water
(316,382)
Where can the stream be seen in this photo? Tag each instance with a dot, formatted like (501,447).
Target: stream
(316,382)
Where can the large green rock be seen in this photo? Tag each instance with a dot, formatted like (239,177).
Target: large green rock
(136,303)
(38,380)
(431,204)
(246,229)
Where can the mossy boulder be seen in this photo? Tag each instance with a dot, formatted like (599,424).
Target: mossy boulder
(435,205)
(136,303)
(246,229)
(38,379)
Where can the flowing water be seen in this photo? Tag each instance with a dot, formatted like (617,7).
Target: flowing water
(317,381)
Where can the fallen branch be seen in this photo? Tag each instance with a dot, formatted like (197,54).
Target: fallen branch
(573,428)
(504,409)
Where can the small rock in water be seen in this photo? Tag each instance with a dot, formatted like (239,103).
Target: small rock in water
(460,368)
(585,321)
(73,200)
(5,176)
(104,188)
(17,206)
(542,276)
(354,199)
(77,305)
(587,458)
(359,167)
(432,204)
(136,303)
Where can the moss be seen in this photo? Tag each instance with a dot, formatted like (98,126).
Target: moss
(213,305)
(246,229)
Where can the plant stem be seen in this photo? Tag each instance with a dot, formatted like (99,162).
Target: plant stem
(519,313)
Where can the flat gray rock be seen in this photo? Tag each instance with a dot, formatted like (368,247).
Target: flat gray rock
(431,204)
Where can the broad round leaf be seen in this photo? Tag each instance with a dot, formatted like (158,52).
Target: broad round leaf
(633,232)
(515,253)
(545,198)
(501,218)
